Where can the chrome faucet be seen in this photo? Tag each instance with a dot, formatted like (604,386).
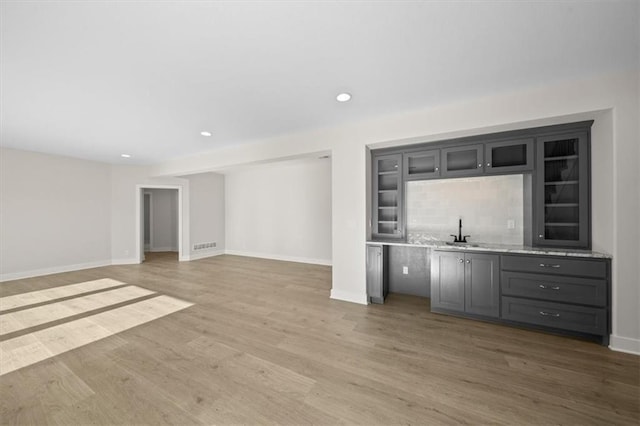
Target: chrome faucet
(460,238)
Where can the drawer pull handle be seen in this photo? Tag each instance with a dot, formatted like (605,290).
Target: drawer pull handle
(549,314)
(549,287)
(549,265)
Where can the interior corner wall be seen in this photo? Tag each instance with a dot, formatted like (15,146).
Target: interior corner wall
(280,211)
(54,214)
(207,214)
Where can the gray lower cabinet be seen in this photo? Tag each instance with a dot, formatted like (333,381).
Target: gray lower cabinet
(376,273)
(465,282)
(564,316)
(482,284)
(558,293)
(447,280)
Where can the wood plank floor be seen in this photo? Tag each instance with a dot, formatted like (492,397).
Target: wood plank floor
(264,344)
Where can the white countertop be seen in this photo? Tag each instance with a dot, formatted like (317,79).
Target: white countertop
(416,240)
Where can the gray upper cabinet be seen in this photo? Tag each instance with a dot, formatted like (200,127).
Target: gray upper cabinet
(422,164)
(562,194)
(509,156)
(554,159)
(462,160)
(387,186)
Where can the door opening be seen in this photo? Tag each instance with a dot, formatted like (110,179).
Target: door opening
(159,225)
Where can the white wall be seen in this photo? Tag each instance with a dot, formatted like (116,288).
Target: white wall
(612,96)
(164,222)
(280,211)
(54,214)
(207,214)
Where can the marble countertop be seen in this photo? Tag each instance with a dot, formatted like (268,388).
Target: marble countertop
(422,241)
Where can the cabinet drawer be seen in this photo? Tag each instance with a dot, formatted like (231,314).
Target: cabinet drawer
(557,315)
(585,291)
(555,265)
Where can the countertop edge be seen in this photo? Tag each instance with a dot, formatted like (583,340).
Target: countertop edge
(499,249)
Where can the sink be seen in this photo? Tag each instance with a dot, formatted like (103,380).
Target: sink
(449,243)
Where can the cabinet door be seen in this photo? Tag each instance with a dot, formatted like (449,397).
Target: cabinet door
(387,196)
(482,284)
(447,280)
(462,161)
(422,164)
(562,191)
(375,274)
(509,156)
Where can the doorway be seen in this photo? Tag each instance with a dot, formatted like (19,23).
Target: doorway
(159,224)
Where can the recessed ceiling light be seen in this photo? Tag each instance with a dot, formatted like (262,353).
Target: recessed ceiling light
(125,155)
(205,133)
(343,97)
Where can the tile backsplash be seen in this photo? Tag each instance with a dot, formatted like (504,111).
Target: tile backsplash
(485,204)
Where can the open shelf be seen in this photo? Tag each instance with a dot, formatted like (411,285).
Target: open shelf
(562,182)
(562,157)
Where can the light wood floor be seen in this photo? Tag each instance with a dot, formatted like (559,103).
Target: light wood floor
(264,344)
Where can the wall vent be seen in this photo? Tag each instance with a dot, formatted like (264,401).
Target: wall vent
(203,246)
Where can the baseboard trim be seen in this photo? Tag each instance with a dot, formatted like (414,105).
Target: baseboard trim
(279,257)
(624,344)
(128,261)
(197,256)
(349,297)
(53,270)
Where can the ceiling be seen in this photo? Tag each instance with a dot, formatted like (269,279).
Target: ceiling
(97,79)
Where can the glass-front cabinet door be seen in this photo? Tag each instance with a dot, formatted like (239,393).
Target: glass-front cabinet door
(387,196)
(562,191)
(509,156)
(462,160)
(422,164)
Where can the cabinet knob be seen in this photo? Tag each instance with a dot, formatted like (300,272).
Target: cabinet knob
(479,165)
(540,236)
(488,164)
(461,260)
(468,261)
(437,169)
